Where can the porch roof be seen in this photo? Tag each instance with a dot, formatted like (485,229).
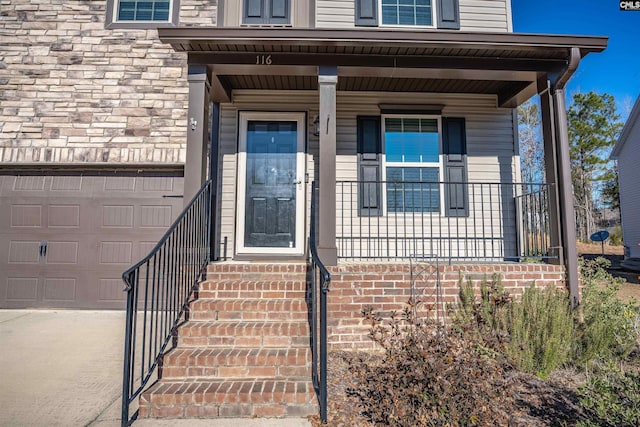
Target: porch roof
(504,64)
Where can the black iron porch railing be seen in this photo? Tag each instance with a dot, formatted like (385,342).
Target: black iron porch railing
(457,221)
(320,279)
(158,290)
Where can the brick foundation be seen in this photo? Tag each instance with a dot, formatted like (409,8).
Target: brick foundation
(387,287)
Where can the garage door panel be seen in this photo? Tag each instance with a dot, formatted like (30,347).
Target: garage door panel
(119,184)
(29,183)
(117,216)
(62,252)
(26,216)
(116,253)
(155,216)
(157,183)
(60,289)
(21,289)
(66,183)
(64,216)
(24,252)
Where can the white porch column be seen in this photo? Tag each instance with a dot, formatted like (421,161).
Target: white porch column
(196,159)
(327,250)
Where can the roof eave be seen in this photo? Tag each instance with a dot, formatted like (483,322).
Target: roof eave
(291,36)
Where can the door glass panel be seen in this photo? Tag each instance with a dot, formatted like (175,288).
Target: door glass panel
(270,200)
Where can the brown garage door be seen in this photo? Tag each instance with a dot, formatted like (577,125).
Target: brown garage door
(66,238)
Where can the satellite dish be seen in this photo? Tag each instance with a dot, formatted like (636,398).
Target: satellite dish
(600,236)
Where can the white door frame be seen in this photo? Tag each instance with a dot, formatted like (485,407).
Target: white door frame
(244,118)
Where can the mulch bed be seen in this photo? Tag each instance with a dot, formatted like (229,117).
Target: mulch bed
(541,403)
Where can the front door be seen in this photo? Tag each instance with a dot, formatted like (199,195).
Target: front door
(271,177)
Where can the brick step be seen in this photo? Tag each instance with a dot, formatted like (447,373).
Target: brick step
(249,309)
(279,363)
(244,334)
(256,272)
(233,398)
(252,289)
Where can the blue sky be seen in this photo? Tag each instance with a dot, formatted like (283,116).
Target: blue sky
(616,70)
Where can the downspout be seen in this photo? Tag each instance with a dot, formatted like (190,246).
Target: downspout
(565,186)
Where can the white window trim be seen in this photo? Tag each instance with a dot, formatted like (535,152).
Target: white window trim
(439,164)
(243,119)
(399,26)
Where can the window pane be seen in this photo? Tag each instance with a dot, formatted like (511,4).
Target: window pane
(390,15)
(423,16)
(412,140)
(413,189)
(143,10)
(406,12)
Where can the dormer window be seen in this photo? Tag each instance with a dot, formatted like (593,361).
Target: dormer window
(267,12)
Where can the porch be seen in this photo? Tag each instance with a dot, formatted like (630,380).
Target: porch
(340,77)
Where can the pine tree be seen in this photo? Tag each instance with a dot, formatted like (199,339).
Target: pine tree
(594,126)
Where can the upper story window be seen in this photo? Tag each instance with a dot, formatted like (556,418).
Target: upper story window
(141,13)
(443,14)
(155,10)
(407,12)
(267,12)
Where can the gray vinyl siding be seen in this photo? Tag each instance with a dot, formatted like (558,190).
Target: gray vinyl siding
(475,15)
(490,140)
(629,177)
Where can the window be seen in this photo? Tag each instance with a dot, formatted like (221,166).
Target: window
(444,14)
(157,10)
(141,14)
(407,12)
(412,164)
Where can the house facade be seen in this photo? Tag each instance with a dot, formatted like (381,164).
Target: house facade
(399,116)
(627,153)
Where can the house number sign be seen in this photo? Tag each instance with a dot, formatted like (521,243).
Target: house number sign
(263,60)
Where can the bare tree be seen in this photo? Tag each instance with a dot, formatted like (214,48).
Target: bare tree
(531,144)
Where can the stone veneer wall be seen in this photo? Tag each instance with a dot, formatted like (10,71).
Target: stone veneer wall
(387,287)
(73,91)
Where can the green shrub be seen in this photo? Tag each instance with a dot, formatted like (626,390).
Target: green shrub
(609,326)
(536,333)
(615,236)
(611,397)
(541,328)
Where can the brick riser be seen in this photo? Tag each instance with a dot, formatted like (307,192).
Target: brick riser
(245,350)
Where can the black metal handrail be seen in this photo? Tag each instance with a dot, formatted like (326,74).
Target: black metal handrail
(320,280)
(159,288)
(463,221)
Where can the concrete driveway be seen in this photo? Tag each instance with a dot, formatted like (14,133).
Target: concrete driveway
(64,368)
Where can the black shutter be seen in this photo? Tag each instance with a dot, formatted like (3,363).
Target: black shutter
(369,172)
(455,167)
(278,11)
(448,14)
(367,13)
(254,11)
(266,12)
